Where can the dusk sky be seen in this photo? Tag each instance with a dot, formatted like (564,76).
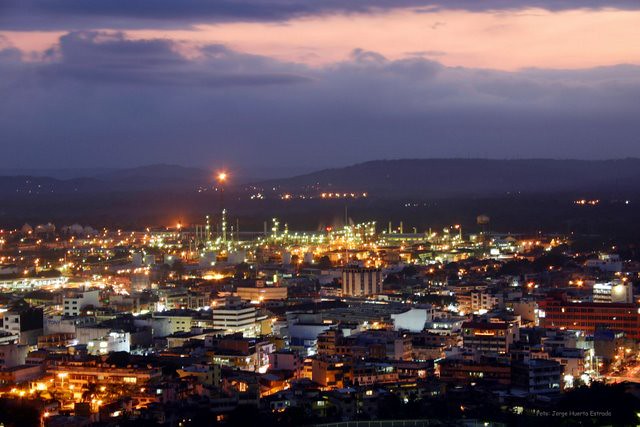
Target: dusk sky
(308,84)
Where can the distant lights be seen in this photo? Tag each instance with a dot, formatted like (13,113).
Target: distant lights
(583,202)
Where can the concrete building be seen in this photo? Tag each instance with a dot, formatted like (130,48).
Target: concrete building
(167,322)
(536,376)
(361,281)
(236,319)
(262,293)
(12,355)
(112,342)
(181,299)
(605,262)
(285,361)
(613,292)
(413,319)
(26,322)
(587,317)
(74,304)
(463,371)
(489,337)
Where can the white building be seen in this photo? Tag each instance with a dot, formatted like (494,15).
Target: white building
(236,319)
(613,292)
(73,305)
(412,320)
(26,323)
(112,342)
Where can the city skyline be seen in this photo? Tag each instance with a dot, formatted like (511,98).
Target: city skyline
(315,84)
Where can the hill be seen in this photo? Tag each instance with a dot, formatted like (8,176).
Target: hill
(470,177)
(145,178)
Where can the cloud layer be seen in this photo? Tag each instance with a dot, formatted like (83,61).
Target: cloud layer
(63,14)
(99,98)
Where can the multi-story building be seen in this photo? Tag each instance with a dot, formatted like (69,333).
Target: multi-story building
(181,299)
(616,291)
(286,361)
(249,354)
(81,374)
(489,337)
(234,319)
(587,317)
(112,342)
(12,355)
(261,293)
(74,304)
(605,262)
(361,281)
(331,372)
(536,376)
(374,373)
(483,301)
(25,322)
(463,371)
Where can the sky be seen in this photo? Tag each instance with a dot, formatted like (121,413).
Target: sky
(294,85)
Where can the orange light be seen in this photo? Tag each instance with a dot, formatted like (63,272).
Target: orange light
(222,177)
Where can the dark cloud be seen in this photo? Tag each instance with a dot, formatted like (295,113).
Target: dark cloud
(111,58)
(90,14)
(100,99)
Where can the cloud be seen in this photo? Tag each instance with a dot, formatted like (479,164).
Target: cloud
(99,98)
(82,14)
(108,57)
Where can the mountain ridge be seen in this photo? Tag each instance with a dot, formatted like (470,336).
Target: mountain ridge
(469,177)
(444,177)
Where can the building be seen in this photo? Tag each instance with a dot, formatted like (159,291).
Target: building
(361,282)
(181,299)
(263,293)
(74,304)
(413,319)
(248,354)
(478,301)
(587,317)
(374,373)
(303,330)
(12,355)
(376,344)
(24,321)
(536,376)
(112,342)
(617,291)
(331,372)
(168,322)
(463,371)
(605,262)
(237,318)
(285,361)
(489,337)
(81,374)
